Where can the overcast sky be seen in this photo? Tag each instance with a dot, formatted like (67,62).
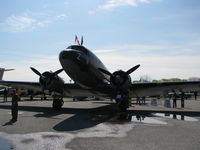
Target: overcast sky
(163,36)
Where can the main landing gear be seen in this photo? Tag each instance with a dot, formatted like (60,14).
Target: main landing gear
(123,105)
(57,103)
(122,100)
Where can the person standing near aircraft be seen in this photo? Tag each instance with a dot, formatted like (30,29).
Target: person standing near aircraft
(143,100)
(14,107)
(174,101)
(195,95)
(5,94)
(182,99)
(138,100)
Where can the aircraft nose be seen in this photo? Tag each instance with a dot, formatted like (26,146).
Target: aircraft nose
(67,55)
(74,56)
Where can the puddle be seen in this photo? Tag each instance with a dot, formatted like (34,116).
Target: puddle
(5,145)
(138,119)
(178,117)
(147,120)
(152,118)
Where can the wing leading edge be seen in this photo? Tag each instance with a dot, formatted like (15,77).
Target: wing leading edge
(21,84)
(137,89)
(163,88)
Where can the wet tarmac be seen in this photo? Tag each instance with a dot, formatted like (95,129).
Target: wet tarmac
(5,144)
(95,125)
(174,116)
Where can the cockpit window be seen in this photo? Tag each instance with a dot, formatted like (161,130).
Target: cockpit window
(79,48)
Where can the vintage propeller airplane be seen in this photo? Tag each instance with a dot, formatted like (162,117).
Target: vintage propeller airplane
(91,78)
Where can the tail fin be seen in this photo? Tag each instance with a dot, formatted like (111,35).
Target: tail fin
(2,70)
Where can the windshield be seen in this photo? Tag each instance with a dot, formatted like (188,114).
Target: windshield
(79,48)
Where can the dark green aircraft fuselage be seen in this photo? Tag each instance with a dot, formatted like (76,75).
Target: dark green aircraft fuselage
(82,66)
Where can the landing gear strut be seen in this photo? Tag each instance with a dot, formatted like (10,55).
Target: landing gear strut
(57,103)
(123,105)
(122,100)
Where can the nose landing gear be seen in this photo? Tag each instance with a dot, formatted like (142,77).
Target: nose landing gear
(122,99)
(57,103)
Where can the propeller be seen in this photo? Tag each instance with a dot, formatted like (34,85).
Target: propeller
(36,71)
(105,71)
(58,71)
(46,77)
(39,74)
(120,79)
(127,72)
(132,69)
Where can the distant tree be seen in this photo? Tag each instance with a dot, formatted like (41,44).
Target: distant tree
(171,80)
(135,81)
(145,78)
(194,79)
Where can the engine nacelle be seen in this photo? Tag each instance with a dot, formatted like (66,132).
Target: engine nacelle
(120,80)
(51,82)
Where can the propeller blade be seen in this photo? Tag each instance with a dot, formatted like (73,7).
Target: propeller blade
(58,71)
(132,69)
(36,71)
(105,71)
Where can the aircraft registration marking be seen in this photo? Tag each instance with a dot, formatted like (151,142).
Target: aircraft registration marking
(78,57)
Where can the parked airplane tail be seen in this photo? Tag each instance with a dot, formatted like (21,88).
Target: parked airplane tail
(2,70)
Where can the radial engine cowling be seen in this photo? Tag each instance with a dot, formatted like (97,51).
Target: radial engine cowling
(120,80)
(50,80)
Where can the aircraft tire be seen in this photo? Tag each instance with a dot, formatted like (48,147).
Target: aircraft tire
(57,104)
(123,106)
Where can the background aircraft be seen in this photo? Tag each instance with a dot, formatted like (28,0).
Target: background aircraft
(2,70)
(91,78)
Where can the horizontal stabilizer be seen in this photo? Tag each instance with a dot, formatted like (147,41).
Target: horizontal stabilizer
(2,72)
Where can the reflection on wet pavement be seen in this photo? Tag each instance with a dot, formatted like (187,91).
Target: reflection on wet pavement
(152,118)
(5,145)
(137,119)
(174,116)
(147,120)
(112,128)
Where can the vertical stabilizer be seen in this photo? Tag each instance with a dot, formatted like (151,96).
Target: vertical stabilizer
(2,70)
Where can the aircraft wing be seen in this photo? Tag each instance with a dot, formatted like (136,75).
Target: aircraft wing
(163,88)
(20,84)
(137,89)
(69,89)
